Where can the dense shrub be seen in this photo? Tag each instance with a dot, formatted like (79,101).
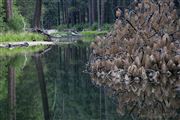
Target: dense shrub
(94,26)
(62,27)
(106,27)
(2,24)
(80,27)
(16,23)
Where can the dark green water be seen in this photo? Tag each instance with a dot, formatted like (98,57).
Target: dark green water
(61,92)
(53,86)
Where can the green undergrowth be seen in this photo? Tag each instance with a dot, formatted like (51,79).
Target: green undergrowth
(20,50)
(84,33)
(60,33)
(88,33)
(17,37)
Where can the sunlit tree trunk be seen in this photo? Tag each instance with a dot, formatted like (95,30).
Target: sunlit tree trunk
(12,93)
(42,84)
(9,11)
(37,14)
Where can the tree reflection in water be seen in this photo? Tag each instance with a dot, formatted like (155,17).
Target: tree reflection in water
(145,99)
(71,94)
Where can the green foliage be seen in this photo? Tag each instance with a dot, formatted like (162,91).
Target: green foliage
(2,15)
(80,27)
(16,23)
(26,9)
(62,27)
(107,27)
(27,92)
(25,36)
(13,52)
(94,26)
(88,33)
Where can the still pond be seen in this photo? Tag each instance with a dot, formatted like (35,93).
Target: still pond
(53,86)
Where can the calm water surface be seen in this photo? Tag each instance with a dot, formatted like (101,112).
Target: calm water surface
(52,86)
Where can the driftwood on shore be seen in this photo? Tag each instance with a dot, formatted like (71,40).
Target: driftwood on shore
(24,44)
(72,36)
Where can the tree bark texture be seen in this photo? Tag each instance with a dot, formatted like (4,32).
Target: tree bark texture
(37,14)
(8,8)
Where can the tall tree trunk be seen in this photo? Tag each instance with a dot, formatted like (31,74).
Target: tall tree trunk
(66,13)
(42,84)
(63,12)
(93,11)
(12,93)
(99,17)
(102,11)
(90,11)
(8,7)
(37,14)
(59,13)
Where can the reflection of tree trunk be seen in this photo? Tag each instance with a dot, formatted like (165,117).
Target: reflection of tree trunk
(12,93)
(42,84)
(100,100)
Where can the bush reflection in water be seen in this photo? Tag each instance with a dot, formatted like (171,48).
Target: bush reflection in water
(143,98)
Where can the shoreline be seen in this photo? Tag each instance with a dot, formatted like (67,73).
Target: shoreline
(24,44)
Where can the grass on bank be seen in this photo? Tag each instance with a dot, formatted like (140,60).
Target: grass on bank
(17,37)
(20,50)
(85,33)
(89,33)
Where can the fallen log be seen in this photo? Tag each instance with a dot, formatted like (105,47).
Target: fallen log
(24,44)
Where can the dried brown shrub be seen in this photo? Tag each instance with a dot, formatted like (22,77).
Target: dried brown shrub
(147,38)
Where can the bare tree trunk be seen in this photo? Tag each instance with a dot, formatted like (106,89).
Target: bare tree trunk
(42,84)
(63,15)
(66,13)
(37,14)
(59,13)
(12,93)
(93,11)
(102,11)
(99,17)
(90,11)
(8,7)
